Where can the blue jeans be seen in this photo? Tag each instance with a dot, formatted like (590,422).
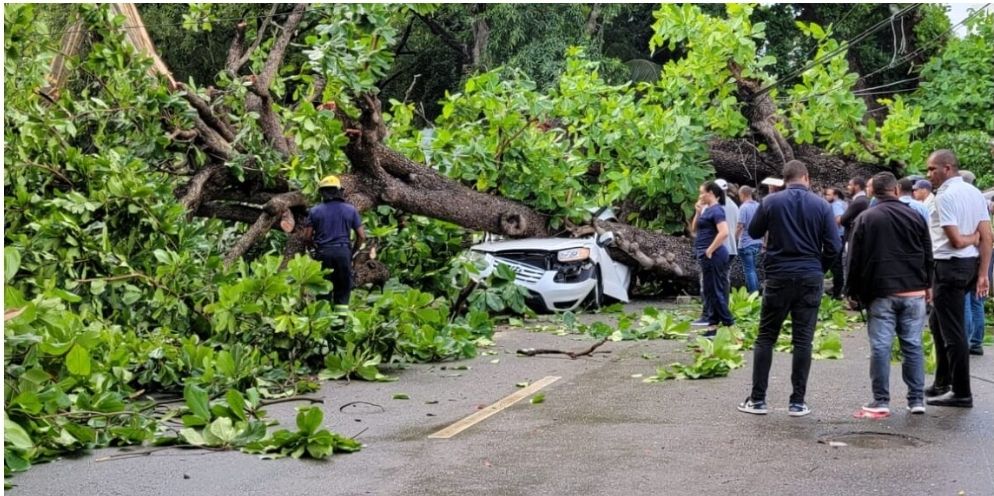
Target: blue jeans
(974,318)
(905,317)
(749,255)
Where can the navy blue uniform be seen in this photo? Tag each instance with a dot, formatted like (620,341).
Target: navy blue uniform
(715,269)
(332,222)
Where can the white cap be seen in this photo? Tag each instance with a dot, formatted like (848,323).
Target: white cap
(773,181)
(723,184)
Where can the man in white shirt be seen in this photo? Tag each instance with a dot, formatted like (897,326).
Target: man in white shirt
(732,217)
(959,223)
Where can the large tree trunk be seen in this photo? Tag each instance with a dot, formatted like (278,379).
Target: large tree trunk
(740,161)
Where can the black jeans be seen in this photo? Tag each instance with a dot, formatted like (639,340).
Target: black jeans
(715,287)
(799,297)
(952,351)
(339,259)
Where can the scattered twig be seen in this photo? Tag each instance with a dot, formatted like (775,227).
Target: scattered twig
(134,454)
(342,408)
(359,433)
(572,354)
(291,399)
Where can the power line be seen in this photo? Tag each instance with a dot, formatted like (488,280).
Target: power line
(842,47)
(899,62)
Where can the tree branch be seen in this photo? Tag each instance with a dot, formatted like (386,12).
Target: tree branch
(276,54)
(260,34)
(446,37)
(195,188)
(207,114)
(72,40)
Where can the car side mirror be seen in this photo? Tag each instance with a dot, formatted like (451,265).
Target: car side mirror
(605,240)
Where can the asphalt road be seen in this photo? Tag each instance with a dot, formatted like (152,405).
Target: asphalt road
(599,431)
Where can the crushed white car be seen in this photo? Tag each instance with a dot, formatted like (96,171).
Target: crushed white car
(559,273)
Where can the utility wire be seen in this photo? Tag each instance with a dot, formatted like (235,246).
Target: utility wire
(842,47)
(899,62)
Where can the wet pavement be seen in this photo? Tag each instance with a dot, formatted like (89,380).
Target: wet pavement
(599,431)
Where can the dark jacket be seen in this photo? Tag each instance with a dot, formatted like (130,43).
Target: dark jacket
(803,239)
(856,207)
(890,252)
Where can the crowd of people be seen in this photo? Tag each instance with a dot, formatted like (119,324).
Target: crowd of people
(904,251)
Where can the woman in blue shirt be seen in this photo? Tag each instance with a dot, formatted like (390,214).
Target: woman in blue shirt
(711,229)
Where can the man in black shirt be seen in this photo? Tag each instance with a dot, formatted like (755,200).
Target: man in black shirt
(802,243)
(890,273)
(857,204)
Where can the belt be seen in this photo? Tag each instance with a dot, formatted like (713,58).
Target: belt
(336,244)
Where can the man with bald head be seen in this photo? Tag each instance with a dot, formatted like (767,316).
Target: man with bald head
(961,243)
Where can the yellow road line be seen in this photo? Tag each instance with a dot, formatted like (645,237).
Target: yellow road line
(505,402)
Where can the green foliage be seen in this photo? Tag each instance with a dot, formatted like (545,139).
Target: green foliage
(827,345)
(701,83)
(824,109)
(351,46)
(582,144)
(961,77)
(351,362)
(419,251)
(277,311)
(652,324)
(713,358)
(309,440)
(499,293)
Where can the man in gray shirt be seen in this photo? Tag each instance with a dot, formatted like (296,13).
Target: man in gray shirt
(959,224)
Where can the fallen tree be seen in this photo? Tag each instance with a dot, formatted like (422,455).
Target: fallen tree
(379,175)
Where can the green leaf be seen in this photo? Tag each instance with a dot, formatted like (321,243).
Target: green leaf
(192,436)
(236,403)
(11,263)
(223,430)
(197,401)
(15,435)
(538,398)
(78,361)
(401,396)
(309,419)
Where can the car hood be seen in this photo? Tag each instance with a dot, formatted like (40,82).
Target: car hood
(543,244)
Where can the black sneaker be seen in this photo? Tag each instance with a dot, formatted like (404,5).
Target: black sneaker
(798,410)
(977,350)
(916,407)
(949,399)
(701,322)
(753,407)
(710,333)
(936,390)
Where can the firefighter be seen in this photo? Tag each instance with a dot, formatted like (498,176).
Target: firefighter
(331,224)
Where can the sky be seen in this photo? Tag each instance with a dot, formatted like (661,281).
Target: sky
(959,11)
